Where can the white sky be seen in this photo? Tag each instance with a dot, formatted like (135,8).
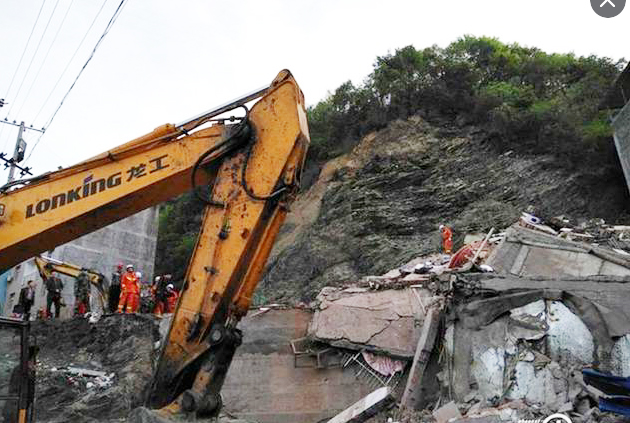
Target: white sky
(165,61)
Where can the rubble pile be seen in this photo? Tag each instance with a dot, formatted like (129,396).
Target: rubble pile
(93,371)
(499,331)
(522,314)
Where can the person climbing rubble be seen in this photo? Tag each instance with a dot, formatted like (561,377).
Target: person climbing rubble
(114,289)
(129,292)
(171,298)
(447,239)
(54,286)
(82,294)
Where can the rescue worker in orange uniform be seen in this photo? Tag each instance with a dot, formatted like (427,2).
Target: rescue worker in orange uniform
(171,299)
(447,239)
(129,292)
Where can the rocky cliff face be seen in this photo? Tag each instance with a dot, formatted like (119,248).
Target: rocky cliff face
(381,205)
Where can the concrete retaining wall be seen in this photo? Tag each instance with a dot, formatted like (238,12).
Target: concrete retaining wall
(264,385)
(129,241)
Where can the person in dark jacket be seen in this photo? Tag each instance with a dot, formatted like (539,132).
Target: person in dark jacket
(27,298)
(114,289)
(54,286)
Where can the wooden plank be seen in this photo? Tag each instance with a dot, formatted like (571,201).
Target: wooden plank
(366,407)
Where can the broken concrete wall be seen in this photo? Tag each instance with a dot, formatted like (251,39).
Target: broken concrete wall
(264,385)
(512,347)
(533,254)
(621,126)
(384,321)
(131,240)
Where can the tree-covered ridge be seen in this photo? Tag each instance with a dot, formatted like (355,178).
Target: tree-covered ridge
(525,98)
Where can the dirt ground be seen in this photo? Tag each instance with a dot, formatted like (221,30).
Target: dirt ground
(122,345)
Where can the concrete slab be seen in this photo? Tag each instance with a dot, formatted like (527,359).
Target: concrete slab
(384,321)
(532,254)
(446,413)
(365,407)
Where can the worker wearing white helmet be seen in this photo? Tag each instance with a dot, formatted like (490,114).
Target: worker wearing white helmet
(171,299)
(129,291)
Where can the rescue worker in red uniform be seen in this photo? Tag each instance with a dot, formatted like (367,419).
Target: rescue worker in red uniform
(129,292)
(447,239)
(171,299)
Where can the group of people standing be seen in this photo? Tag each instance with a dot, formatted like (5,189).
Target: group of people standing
(164,295)
(124,294)
(125,291)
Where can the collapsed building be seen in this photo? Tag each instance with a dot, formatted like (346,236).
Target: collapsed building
(499,332)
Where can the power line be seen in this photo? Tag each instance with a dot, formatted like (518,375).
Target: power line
(20,62)
(25,47)
(33,58)
(98,43)
(70,61)
(28,93)
(33,149)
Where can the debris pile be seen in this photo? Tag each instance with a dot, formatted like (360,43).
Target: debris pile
(519,315)
(501,330)
(93,372)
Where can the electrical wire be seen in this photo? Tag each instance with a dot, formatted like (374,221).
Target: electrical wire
(28,93)
(70,61)
(20,63)
(98,43)
(33,57)
(25,47)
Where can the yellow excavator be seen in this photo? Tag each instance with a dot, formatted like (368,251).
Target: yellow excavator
(245,169)
(47,266)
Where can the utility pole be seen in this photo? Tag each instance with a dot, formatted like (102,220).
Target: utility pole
(18,151)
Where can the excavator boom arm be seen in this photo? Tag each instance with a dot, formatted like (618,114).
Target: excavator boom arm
(253,170)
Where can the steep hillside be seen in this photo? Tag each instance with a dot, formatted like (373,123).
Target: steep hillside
(381,205)
(511,126)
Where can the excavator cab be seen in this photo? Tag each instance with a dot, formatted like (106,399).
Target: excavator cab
(17,372)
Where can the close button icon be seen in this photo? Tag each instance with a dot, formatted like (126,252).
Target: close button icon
(608,8)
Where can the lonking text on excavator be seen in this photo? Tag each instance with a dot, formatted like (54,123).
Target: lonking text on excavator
(245,169)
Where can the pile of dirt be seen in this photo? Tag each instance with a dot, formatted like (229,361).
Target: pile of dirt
(382,206)
(120,346)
